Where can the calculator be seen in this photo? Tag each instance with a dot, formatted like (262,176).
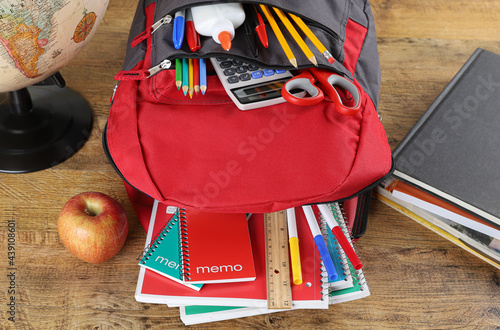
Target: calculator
(248,85)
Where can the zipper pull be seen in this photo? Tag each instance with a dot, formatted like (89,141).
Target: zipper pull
(165,64)
(143,73)
(164,20)
(114,92)
(148,32)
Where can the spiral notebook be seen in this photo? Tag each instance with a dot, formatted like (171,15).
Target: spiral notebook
(216,247)
(360,288)
(152,287)
(162,252)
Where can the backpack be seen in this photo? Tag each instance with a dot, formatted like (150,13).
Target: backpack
(205,154)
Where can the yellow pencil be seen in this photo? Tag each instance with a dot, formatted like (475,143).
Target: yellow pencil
(279,35)
(191,77)
(322,49)
(296,36)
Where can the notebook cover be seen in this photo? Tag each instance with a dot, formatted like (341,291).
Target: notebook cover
(152,287)
(453,151)
(216,247)
(162,254)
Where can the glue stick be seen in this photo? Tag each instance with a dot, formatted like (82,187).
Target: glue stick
(218,21)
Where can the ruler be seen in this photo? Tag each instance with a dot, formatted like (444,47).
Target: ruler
(279,294)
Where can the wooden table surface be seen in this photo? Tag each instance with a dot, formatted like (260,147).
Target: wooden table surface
(416,278)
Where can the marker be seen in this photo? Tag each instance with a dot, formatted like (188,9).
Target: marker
(185,76)
(339,235)
(203,75)
(193,38)
(178,33)
(293,241)
(320,242)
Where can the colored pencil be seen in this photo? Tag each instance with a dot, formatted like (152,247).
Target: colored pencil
(185,76)
(203,76)
(178,73)
(196,75)
(191,78)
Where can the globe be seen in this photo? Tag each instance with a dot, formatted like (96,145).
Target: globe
(39,37)
(42,123)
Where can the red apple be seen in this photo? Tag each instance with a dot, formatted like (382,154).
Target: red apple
(93,226)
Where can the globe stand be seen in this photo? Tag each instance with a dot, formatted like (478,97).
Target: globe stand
(42,126)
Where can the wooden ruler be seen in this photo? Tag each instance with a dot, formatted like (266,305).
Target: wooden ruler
(279,294)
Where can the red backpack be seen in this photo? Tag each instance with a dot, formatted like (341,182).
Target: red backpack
(204,153)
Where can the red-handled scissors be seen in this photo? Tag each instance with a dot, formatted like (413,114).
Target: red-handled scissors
(329,82)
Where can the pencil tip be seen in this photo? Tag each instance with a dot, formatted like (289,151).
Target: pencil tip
(294,62)
(313,60)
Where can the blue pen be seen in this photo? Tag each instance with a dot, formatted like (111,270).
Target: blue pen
(178,34)
(203,75)
(320,242)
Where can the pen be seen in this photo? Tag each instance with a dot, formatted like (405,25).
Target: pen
(193,38)
(296,36)
(178,73)
(279,35)
(249,31)
(339,235)
(185,76)
(293,241)
(191,77)
(320,242)
(178,33)
(260,27)
(322,49)
(196,75)
(203,75)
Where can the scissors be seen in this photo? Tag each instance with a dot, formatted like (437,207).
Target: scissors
(329,82)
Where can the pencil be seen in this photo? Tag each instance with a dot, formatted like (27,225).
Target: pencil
(203,76)
(296,36)
(185,76)
(322,49)
(191,77)
(196,75)
(279,35)
(178,73)
(293,241)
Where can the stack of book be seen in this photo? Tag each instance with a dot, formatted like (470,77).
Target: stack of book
(213,266)
(446,174)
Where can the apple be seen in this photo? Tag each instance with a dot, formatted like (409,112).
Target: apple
(93,226)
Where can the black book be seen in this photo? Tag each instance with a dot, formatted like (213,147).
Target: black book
(453,151)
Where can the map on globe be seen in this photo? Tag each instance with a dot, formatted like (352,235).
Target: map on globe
(39,37)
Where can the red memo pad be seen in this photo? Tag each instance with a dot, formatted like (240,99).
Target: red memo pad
(216,247)
(155,288)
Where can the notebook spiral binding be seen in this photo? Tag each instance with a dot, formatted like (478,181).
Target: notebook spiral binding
(338,250)
(185,270)
(157,239)
(338,212)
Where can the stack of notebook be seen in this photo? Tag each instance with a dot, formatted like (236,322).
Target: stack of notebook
(212,266)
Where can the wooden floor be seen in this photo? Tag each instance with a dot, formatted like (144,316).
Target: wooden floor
(417,279)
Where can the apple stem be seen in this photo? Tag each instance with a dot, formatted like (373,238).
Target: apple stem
(89,212)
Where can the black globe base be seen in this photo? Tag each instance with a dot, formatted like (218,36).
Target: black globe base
(40,127)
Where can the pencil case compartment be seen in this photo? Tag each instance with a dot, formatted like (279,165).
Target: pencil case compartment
(273,56)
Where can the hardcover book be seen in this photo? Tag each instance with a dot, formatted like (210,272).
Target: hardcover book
(453,151)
